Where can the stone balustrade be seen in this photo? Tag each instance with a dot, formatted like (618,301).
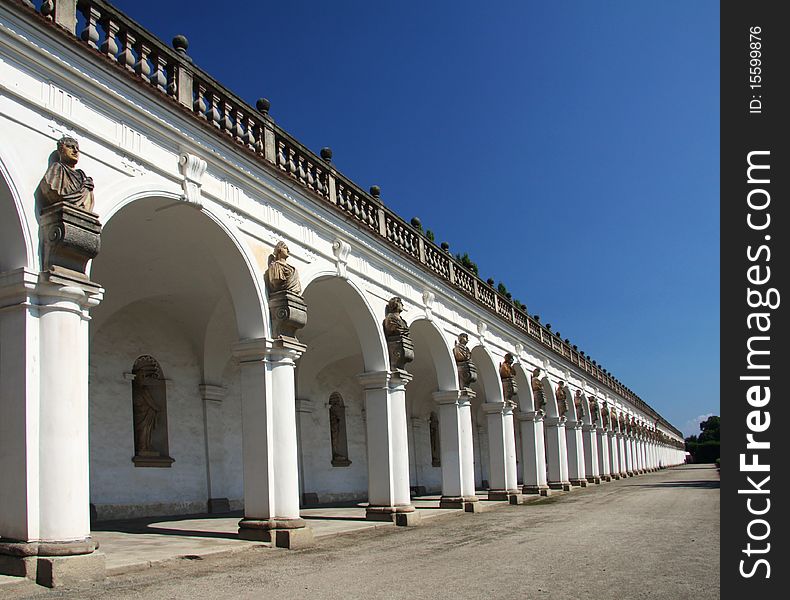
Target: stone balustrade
(170,73)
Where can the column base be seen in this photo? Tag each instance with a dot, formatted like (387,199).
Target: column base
(282,533)
(595,480)
(503,495)
(541,490)
(606,477)
(629,473)
(403,516)
(579,482)
(565,486)
(465,503)
(616,476)
(53,564)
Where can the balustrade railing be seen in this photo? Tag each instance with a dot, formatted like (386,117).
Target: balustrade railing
(170,73)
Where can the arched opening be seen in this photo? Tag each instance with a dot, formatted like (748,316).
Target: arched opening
(433,369)
(178,288)
(487,388)
(343,339)
(13,244)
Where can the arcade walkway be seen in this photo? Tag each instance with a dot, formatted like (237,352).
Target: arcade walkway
(652,536)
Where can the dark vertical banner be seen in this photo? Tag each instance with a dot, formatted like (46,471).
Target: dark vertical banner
(755,268)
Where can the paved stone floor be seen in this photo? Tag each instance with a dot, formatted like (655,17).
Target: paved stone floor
(652,536)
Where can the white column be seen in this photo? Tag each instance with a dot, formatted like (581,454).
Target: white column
(591,457)
(625,469)
(269,442)
(603,454)
(501,451)
(614,455)
(455,438)
(557,453)
(630,449)
(388,447)
(533,453)
(575,445)
(44,458)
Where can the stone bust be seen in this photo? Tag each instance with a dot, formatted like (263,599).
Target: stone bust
(562,398)
(394,325)
(508,376)
(577,400)
(396,331)
(63,182)
(280,276)
(467,372)
(537,390)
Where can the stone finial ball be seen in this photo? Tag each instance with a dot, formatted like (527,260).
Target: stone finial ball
(536,317)
(490,281)
(548,326)
(263,105)
(445,246)
(181,43)
(375,191)
(416,223)
(326,153)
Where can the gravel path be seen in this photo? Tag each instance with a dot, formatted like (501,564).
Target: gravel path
(651,536)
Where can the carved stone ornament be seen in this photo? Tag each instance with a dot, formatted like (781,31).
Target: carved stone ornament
(594,411)
(192,169)
(507,373)
(341,250)
(286,306)
(396,331)
(428,300)
(537,390)
(577,400)
(562,398)
(467,371)
(70,232)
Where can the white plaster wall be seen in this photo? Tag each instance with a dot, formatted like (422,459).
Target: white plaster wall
(118,488)
(225,441)
(319,476)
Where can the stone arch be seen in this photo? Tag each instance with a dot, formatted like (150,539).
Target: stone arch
(487,373)
(551,399)
(526,401)
(16,239)
(208,228)
(366,324)
(344,339)
(440,352)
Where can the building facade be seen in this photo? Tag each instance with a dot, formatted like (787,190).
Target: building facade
(146,367)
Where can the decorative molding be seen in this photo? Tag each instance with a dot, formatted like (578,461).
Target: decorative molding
(212,393)
(428,301)
(341,251)
(192,169)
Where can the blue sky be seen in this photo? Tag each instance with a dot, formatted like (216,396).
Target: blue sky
(571,148)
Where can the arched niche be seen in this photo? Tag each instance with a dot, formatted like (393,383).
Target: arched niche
(149,414)
(337,430)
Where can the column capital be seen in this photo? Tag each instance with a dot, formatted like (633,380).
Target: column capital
(586,427)
(447,396)
(260,349)
(494,407)
(537,416)
(374,380)
(555,421)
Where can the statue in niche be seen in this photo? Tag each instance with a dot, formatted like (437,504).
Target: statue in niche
(433,423)
(537,390)
(562,399)
(396,331)
(467,371)
(507,373)
(63,182)
(337,430)
(149,414)
(577,401)
(287,308)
